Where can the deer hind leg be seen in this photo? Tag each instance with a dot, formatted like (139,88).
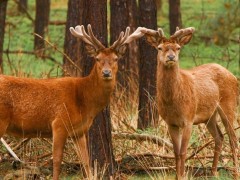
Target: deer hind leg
(82,152)
(227,112)
(176,137)
(217,135)
(3,126)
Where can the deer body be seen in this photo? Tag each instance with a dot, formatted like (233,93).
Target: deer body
(32,106)
(189,97)
(63,107)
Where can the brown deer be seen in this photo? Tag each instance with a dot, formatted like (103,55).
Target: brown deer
(189,97)
(63,107)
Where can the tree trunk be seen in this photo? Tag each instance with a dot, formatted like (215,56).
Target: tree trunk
(147,67)
(119,22)
(22,5)
(175,19)
(133,46)
(99,139)
(41,23)
(3,9)
(72,45)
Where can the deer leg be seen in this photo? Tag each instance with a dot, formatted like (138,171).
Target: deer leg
(175,134)
(218,139)
(82,152)
(3,126)
(59,140)
(186,134)
(227,114)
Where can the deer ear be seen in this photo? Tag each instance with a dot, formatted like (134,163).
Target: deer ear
(92,52)
(153,40)
(121,50)
(185,39)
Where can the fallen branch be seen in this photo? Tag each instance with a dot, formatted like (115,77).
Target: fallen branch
(10,150)
(144,137)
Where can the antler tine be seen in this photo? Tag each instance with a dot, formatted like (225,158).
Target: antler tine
(181,32)
(161,33)
(152,32)
(94,39)
(79,31)
(126,35)
(118,40)
(126,38)
(137,34)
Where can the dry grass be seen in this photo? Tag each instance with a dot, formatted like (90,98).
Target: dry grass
(132,155)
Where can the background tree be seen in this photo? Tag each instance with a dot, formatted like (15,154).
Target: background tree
(100,142)
(119,21)
(72,45)
(41,23)
(147,66)
(3,9)
(22,5)
(175,18)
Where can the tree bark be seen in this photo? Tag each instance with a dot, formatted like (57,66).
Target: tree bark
(73,47)
(41,23)
(3,10)
(147,67)
(133,46)
(99,139)
(119,22)
(22,6)
(175,19)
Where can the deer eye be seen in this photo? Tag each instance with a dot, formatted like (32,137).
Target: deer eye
(97,59)
(159,48)
(178,48)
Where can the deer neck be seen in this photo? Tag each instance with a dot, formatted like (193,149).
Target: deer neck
(98,90)
(169,82)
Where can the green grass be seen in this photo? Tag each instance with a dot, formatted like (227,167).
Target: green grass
(197,14)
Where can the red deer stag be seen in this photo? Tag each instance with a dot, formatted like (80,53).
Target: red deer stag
(63,107)
(189,97)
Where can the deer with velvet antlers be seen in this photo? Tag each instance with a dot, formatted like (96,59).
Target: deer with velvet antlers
(189,97)
(63,107)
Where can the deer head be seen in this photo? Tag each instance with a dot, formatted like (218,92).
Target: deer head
(168,49)
(106,58)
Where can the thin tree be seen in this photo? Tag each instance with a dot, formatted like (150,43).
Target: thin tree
(41,23)
(175,19)
(72,46)
(147,67)
(3,10)
(22,5)
(100,142)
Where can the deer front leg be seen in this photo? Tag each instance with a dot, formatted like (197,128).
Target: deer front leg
(176,135)
(59,140)
(186,134)
(82,152)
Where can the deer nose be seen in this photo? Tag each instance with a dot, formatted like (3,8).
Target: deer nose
(171,57)
(107,73)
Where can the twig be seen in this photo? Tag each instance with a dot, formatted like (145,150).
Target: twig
(10,150)
(143,137)
(32,53)
(25,11)
(24,141)
(64,54)
(204,146)
(57,23)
